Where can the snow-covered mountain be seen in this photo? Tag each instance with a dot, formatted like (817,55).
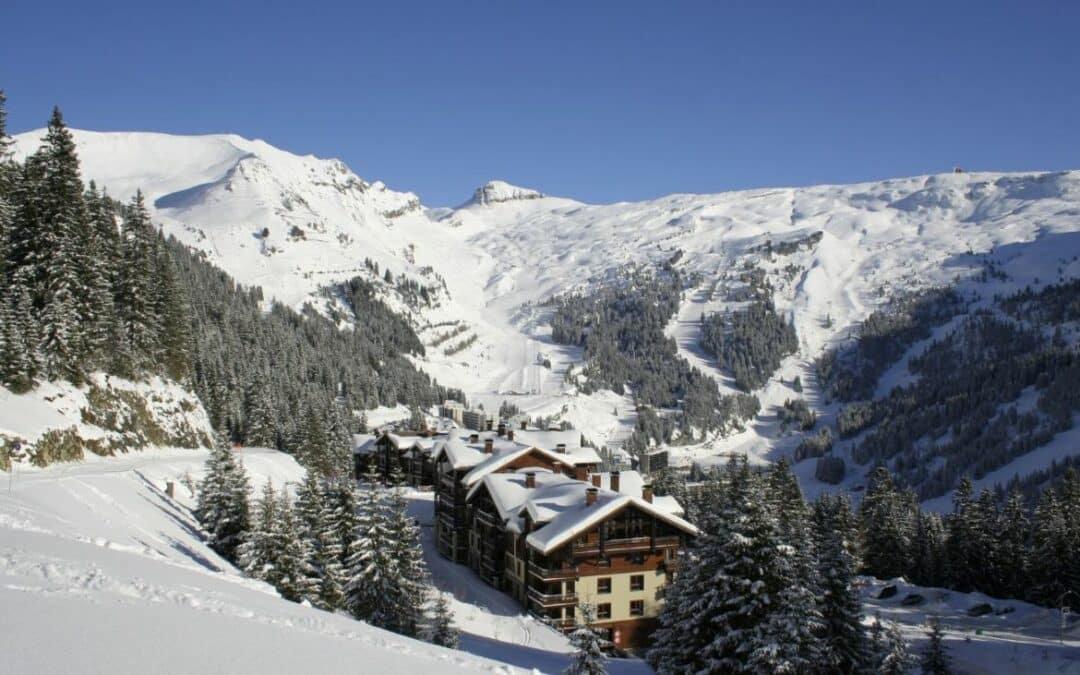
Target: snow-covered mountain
(506,249)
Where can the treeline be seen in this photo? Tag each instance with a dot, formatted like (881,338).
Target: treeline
(87,284)
(621,326)
(965,408)
(768,586)
(77,293)
(962,407)
(851,372)
(339,547)
(1005,550)
(750,342)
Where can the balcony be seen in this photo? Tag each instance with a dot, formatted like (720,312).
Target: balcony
(487,518)
(553,573)
(549,600)
(629,545)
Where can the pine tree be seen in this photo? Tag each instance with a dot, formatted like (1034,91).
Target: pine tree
(137,297)
(295,577)
(259,427)
(895,659)
(315,513)
(443,632)
(887,528)
(845,648)
(45,250)
(928,554)
(588,657)
(409,571)
(739,604)
(935,660)
(370,592)
(222,507)
(257,554)
(1012,537)
(174,310)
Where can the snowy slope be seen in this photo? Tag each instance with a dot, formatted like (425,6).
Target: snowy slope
(97,558)
(507,248)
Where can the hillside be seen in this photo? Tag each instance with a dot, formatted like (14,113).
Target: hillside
(99,556)
(825,258)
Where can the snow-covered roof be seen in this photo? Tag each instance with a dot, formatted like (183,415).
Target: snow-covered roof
(460,454)
(567,514)
(509,492)
(363,444)
(503,456)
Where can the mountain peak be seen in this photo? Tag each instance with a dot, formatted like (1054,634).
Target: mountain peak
(496,191)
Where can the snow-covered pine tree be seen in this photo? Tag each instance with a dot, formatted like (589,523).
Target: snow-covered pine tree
(410,573)
(257,554)
(443,631)
(886,519)
(259,427)
(928,562)
(313,446)
(60,215)
(588,657)
(295,578)
(935,658)
(741,607)
(1050,546)
(371,592)
(844,643)
(222,507)
(174,309)
(137,286)
(1013,532)
(895,657)
(315,514)
(965,560)
(340,439)
(97,244)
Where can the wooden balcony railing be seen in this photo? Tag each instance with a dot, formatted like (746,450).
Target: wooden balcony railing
(548,600)
(553,573)
(628,545)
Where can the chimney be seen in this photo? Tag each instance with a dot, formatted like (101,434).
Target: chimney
(596,480)
(561,448)
(490,423)
(581,472)
(590,496)
(502,429)
(474,438)
(556,467)
(530,479)
(523,424)
(509,434)
(489,445)
(614,481)
(646,492)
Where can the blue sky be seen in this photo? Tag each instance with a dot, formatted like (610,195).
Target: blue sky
(601,101)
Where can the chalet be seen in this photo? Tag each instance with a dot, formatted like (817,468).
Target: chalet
(409,453)
(466,457)
(553,532)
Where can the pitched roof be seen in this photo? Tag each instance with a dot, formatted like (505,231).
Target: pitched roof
(501,457)
(567,515)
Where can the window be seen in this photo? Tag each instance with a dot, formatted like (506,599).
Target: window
(603,585)
(637,608)
(637,582)
(603,610)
